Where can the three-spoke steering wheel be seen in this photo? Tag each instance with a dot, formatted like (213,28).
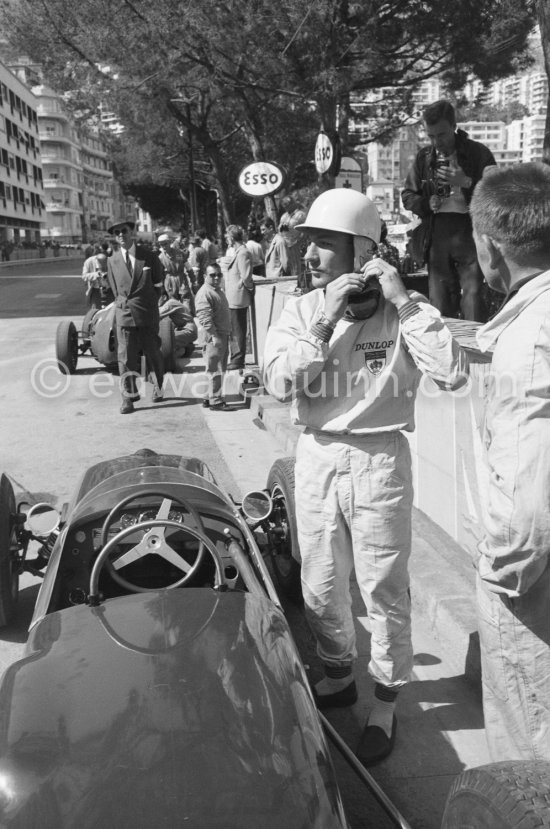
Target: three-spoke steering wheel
(153,541)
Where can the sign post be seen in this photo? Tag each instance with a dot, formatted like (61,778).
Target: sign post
(327,154)
(350,175)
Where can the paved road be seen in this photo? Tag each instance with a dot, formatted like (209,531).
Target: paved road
(42,290)
(51,427)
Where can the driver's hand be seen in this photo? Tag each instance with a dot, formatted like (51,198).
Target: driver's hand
(392,286)
(337,293)
(435,203)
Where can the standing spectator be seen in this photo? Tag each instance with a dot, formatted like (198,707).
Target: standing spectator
(135,276)
(7,249)
(197,261)
(214,318)
(176,279)
(253,243)
(350,354)
(438,189)
(211,249)
(277,260)
(511,217)
(94,274)
(386,250)
(239,287)
(292,216)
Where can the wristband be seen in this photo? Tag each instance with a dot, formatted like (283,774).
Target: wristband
(321,331)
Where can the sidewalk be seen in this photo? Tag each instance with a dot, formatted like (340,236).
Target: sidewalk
(442,576)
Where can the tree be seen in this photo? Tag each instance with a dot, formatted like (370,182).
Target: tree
(543,16)
(251,79)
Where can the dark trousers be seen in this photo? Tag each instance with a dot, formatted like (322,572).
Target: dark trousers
(238,336)
(132,342)
(455,278)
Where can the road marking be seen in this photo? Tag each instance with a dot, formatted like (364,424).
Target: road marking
(47,296)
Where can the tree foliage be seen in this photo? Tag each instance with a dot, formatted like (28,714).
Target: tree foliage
(252,79)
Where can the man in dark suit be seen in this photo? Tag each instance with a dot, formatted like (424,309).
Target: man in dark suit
(135,275)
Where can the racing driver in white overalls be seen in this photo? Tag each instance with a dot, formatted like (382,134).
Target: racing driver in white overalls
(350,356)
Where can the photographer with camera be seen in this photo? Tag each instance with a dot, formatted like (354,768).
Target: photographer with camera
(349,355)
(438,189)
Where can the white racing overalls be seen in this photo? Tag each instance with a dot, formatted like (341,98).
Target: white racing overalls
(355,395)
(513,595)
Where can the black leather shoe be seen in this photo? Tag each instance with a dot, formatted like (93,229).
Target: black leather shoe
(158,396)
(375,744)
(219,407)
(234,366)
(339,699)
(127,407)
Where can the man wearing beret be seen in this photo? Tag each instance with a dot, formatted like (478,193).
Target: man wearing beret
(135,276)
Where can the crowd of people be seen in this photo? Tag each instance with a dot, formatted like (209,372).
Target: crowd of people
(193,279)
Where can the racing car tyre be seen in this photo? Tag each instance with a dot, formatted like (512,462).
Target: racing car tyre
(9,565)
(66,347)
(285,553)
(508,795)
(167,342)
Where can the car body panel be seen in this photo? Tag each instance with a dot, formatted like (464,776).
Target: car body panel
(102,336)
(179,707)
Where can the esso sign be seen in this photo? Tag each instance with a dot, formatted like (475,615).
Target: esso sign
(261,178)
(324,153)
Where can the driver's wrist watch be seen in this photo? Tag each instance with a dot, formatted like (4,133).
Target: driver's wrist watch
(322,328)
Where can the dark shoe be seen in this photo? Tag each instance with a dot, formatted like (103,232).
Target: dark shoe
(219,407)
(127,407)
(339,699)
(234,366)
(375,744)
(206,403)
(158,396)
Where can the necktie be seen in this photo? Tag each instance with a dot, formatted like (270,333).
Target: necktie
(128,263)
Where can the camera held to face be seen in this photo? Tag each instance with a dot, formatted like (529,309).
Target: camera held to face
(442,188)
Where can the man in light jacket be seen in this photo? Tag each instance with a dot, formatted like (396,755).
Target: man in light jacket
(239,289)
(511,218)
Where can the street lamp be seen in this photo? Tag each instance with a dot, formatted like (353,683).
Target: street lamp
(192,190)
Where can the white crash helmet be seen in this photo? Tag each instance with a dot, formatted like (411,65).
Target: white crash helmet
(345,211)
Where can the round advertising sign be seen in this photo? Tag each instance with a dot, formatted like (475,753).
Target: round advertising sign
(324,153)
(327,154)
(261,178)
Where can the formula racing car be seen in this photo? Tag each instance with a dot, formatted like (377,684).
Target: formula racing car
(98,337)
(160,684)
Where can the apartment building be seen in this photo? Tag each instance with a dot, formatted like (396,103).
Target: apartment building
(22,213)
(63,177)
(529,89)
(526,136)
(99,188)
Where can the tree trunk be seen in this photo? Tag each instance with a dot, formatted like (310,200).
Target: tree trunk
(543,15)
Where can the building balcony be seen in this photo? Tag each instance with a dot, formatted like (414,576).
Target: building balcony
(45,111)
(57,207)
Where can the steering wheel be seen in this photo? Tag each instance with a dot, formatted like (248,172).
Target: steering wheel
(154,542)
(147,544)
